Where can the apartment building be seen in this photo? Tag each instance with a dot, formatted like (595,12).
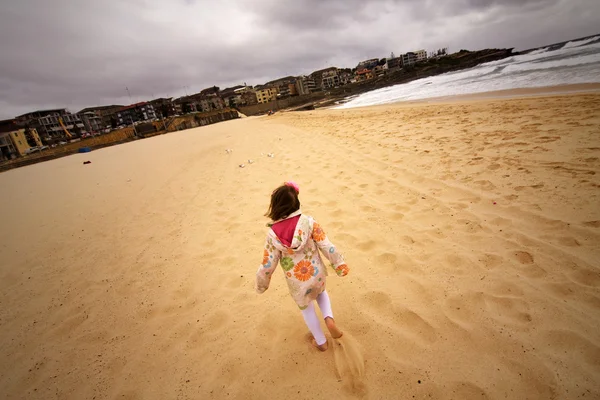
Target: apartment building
(211,91)
(231,97)
(409,59)
(216,103)
(91,121)
(186,104)
(367,64)
(163,107)
(249,98)
(283,91)
(380,70)
(139,112)
(364,75)
(317,77)
(51,124)
(305,85)
(106,113)
(330,79)
(394,63)
(420,55)
(265,94)
(346,77)
(16,140)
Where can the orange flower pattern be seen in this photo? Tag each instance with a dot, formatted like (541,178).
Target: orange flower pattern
(304,270)
(342,270)
(317,234)
(303,266)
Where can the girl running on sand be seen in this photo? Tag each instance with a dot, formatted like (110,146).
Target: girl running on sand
(294,241)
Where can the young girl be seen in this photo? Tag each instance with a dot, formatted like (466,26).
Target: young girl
(294,241)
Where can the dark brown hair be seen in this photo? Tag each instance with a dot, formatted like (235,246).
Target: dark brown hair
(284,201)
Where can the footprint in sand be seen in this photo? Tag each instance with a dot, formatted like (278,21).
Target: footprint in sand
(367,245)
(485,184)
(396,216)
(524,257)
(585,277)
(592,224)
(467,390)
(574,343)
(529,267)
(490,261)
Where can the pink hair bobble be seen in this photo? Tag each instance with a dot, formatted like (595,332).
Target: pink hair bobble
(294,185)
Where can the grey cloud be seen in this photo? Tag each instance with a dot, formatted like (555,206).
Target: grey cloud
(332,14)
(514,3)
(67,53)
(310,14)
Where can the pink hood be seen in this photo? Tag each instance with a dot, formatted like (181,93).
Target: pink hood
(292,232)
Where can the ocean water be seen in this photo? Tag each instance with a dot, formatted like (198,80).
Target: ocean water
(565,63)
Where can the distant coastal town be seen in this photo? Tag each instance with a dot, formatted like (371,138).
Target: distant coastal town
(43,130)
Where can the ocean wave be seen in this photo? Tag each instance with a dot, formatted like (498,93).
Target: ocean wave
(499,62)
(539,51)
(559,63)
(465,74)
(550,66)
(579,43)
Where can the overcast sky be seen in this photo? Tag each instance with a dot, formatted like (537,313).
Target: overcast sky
(79,53)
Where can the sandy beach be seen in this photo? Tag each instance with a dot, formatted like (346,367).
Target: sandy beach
(472,230)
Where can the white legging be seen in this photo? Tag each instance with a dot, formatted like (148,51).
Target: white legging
(311,319)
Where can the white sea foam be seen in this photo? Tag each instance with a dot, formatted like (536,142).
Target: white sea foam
(540,51)
(575,62)
(578,43)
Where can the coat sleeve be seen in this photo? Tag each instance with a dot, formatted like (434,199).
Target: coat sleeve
(270,260)
(329,250)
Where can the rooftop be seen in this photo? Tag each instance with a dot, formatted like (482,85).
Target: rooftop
(232,89)
(49,111)
(8,125)
(263,87)
(98,108)
(134,105)
(323,70)
(210,90)
(281,80)
(161,100)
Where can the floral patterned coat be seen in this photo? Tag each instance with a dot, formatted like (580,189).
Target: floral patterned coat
(301,262)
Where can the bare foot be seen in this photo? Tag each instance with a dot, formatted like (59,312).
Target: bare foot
(333,329)
(322,347)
